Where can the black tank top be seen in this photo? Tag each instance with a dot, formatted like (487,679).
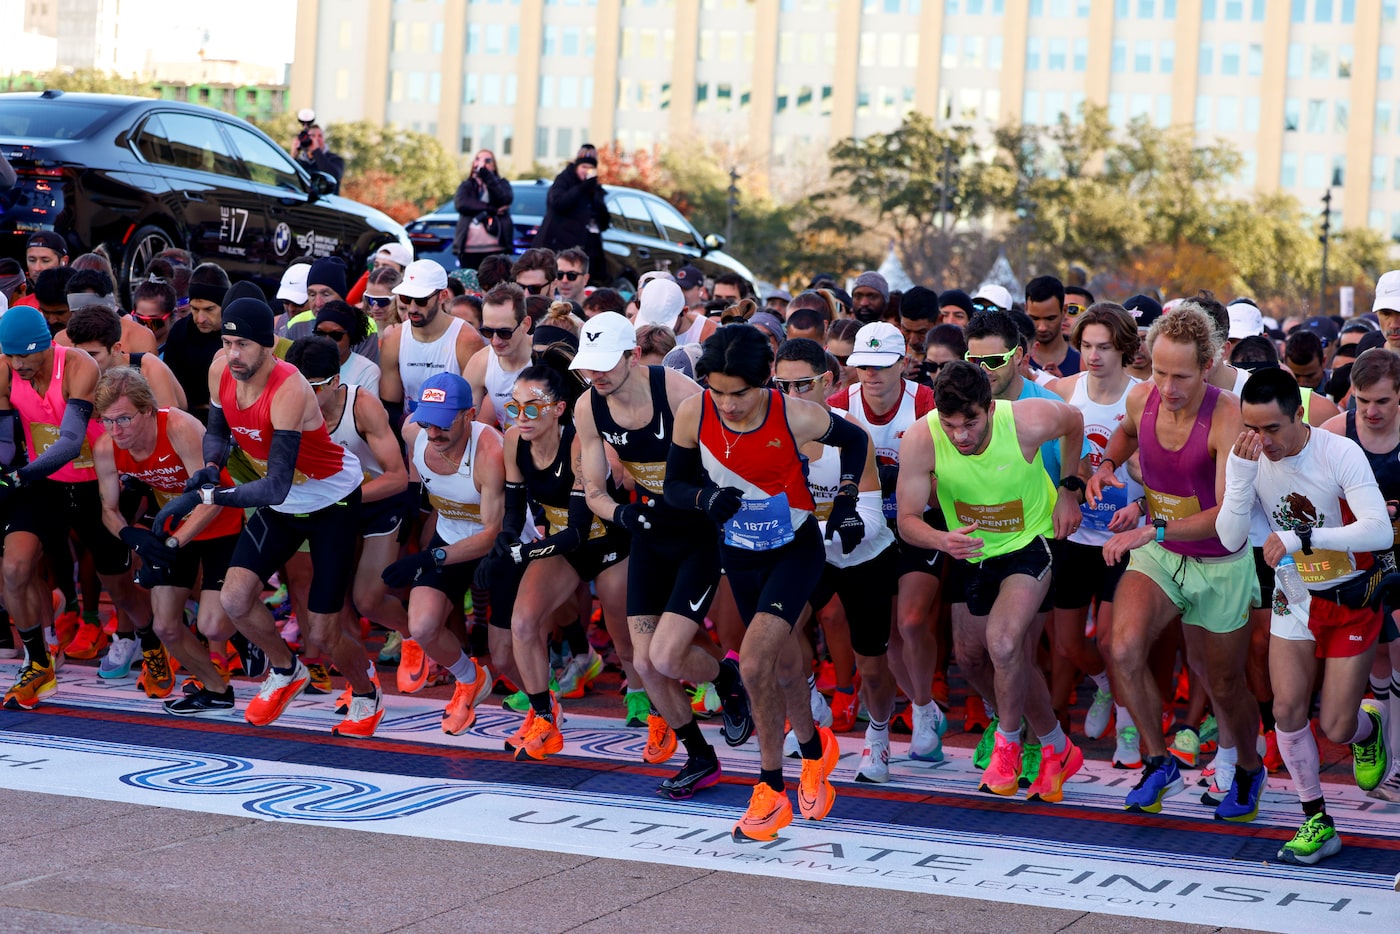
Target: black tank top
(643,450)
(551,485)
(1385,466)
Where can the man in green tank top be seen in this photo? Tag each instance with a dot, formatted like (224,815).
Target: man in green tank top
(983,456)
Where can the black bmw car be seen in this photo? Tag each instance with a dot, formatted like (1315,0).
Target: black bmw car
(138,175)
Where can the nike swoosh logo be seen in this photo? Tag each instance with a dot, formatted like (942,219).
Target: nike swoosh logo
(695,607)
(162,460)
(661,432)
(932,561)
(559,471)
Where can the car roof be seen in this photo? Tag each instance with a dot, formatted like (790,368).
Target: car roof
(117,104)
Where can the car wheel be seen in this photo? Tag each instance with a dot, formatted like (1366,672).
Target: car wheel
(141,248)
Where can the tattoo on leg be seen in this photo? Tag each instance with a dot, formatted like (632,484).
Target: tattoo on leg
(644,625)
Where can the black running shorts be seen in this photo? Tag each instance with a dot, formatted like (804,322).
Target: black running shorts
(866,591)
(332,534)
(50,509)
(674,571)
(778,582)
(1081,575)
(981,582)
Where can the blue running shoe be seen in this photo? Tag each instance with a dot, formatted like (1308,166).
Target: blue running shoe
(1159,780)
(1241,804)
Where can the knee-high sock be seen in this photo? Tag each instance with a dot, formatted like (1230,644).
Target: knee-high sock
(1299,751)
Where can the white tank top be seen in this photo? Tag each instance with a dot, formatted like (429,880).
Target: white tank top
(1100,421)
(347,435)
(420,359)
(454,496)
(886,437)
(691,335)
(823,478)
(500,386)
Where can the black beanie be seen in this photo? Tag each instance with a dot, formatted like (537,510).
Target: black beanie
(250,319)
(958,299)
(329,271)
(241,289)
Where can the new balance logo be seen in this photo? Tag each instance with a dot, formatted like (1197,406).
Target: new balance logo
(32,347)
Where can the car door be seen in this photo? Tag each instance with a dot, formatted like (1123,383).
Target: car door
(181,160)
(643,247)
(681,239)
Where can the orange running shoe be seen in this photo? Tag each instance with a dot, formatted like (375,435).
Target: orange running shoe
(461,709)
(156,678)
(844,707)
(66,625)
(342,703)
(87,643)
(275,693)
(517,739)
(1273,759)
(975,719)
(413,667)
(661,741)
(1003,774)
(34,682)
(826,677)
(542,739)
(940,689)
(815,796)
(363,717)
(769,812)
(1055,769)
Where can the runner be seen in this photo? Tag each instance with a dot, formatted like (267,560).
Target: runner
(1327,515)
(771,546)
(308,489)
(541,462)
(1000,506)
(96,330)
(51,387)
(162,448)
(458,461)
(674,567)
(431,342)
(1182,428)
(506,328)
(867,578)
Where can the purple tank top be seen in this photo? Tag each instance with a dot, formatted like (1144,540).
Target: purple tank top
(1180,483)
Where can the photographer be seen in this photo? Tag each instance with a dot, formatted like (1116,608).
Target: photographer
(576,212)
(483,213)
(311,150)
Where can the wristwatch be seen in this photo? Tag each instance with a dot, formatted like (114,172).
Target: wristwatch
(206,494)
(439,557)
(172,542)
(1161,526)
(1074,484)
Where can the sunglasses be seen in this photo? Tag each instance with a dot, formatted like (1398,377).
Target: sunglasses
(993,361)
(533,289)
(150,321)
(493,333)
(1073,310)
(528,412)
(420,302)
(571,276)
(842,358)
(983,306)
(336,335)
(318,383)
(378,301)
(798,386)
(121,421)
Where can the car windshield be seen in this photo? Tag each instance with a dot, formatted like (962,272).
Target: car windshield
(529,200)
(36,119)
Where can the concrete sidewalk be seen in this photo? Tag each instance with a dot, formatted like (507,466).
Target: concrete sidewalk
(96,866)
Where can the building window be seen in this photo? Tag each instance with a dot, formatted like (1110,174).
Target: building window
(1256,59)
(1120,57)
(972,51)
(1032,54)
(1348,11)
(1314,170)
(1321,63)
(1317,116)
(994,53)
(1299,11)
(1385,67)
(1207,10)
(1296,57)
(1203,114)
(1251,115)
(1227,114)
(1142,57)
(1341,115)
(1167,63)
(1230,58)
(1030,108)
(1234,11)
(1207,59)
(1288,170)
(1322,11)
(1056,54)
(1378,165)
(950,51)
(1382,116)
(1339,171)
(1257,11)
(1344,59)
(1081,54)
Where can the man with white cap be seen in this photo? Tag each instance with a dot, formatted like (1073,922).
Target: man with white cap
(1387,308)
(1245,321)
(675,552)
(662,301)
(428,341)
(292,294)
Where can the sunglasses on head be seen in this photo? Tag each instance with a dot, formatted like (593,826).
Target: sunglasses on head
(527,412)
(994,361)
(502,333)
(378,301)
(335,334)
(533,289)
(798,386)
(571,276)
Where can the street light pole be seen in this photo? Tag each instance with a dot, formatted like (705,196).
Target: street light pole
(1326,236)
(733,206)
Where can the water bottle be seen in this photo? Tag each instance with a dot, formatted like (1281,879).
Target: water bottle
(1289,580)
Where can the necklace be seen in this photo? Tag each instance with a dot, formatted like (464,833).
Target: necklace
(728,445)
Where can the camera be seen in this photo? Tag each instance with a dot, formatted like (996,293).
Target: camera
(307,117)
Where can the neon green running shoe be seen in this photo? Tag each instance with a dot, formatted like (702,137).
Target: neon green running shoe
(520,702)
(638,708)
(1369,760)
(982,756)
(1316,840)
(1030,760)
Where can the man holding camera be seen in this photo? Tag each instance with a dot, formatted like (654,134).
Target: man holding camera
(311,150)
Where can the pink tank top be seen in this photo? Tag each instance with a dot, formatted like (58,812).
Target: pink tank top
(42,417)
(1180,483)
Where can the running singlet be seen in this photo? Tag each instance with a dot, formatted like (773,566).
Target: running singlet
(1100,421)
(823,479)
(165,474)
(42,417)
(500,384)
(766,467)
(1386,468)
(1011,499)
(1180,483)
(552,486)
(643,450)
(335,470)
(347,434)
(453,495)
(885,431)
(420,359)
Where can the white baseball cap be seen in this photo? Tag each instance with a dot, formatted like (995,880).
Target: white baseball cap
(1387,292)
(1245,320)
(605,338)
(421,278)
(396,253)
(293,288)
(996,294)
(661,302)
(877,344)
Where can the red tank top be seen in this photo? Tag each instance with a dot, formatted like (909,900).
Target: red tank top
(319,458)
(165,474)
(763,461)
(42,417)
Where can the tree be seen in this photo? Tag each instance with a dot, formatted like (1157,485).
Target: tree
(87,80)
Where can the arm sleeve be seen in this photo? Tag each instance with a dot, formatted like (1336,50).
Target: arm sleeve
(69,444)
(1371,530)
(685,477)
(572,535)
(1232,522)
(514,519)
(8,449)
(272,489)
(217,437)
(853,444)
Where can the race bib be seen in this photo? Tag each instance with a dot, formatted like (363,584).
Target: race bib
(651,476)
(999,518)
(1322,565)
(46,436)
(1170,506)
(760,524)
(1098,517)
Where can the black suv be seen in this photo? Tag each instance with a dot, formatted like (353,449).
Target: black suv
(647,233)
(138,175)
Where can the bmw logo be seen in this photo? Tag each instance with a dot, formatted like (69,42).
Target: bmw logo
(282,239)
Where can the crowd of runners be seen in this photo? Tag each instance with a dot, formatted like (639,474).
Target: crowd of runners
(794,514)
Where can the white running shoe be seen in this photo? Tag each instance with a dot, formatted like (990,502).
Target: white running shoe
(1221,778)
(821,710)
(791,749)
(121,653)
(1126,754)
(1389,788)
(1100,716)
(926,744)
(875,758)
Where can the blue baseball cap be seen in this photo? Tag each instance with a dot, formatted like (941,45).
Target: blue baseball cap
(441,398)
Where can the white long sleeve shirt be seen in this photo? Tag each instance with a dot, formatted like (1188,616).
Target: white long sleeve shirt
(1327,487)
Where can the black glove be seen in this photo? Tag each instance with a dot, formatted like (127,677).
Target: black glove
(846,522)
(635,517)
(721,503)
(9,485)
(153,575)
(501,548)
(889,478)
(175,511)
(150,546)
(133,485)
(206,474)
(407,570)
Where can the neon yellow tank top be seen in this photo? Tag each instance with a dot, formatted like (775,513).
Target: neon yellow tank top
(1011,500)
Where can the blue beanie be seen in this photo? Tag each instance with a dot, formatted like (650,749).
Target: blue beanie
(23,330)
(329,271)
